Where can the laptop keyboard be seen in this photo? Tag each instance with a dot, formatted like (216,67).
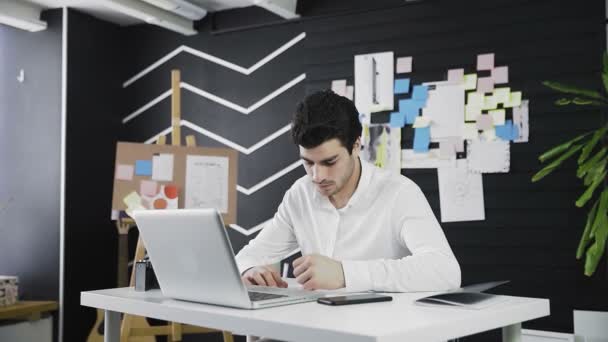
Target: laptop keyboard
(257,296)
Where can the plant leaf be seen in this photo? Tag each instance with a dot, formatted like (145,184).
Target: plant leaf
(581,101)
(605,77)
(590,145)
(605,63)
(563,102)
(564,88)
(555,151)
(586,196)
(590,163)
(600,233)
(586,237)
(554,164)
(597,169)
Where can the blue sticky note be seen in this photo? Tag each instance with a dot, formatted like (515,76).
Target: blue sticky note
(505,132)
(422,139)
(143,167)
(421,92)
(411,109)
(402,86)
(397,119)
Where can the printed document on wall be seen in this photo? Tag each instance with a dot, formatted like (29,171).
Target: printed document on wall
(460,193)
(374,81)
(207,182)
(445,108)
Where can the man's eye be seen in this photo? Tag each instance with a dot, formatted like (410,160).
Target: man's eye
(308,163)
(330,163)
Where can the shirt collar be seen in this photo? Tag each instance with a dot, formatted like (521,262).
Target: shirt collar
(364,180)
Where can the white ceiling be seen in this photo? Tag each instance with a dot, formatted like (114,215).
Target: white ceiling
(94,8)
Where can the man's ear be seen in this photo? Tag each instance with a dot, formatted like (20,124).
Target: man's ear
(357,147)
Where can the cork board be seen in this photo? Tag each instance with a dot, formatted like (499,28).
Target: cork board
(209,172)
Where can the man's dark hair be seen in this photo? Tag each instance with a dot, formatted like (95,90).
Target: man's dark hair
(324,115)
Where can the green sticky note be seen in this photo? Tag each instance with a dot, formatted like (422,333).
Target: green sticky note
(471,113)
(470,81)
(475,100)
(501,95)
(489,102)
(498,116)
(514,100)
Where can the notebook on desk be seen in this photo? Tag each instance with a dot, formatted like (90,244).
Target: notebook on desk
(469,297)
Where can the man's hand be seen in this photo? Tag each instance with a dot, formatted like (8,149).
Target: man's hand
(263,276)
(318,272)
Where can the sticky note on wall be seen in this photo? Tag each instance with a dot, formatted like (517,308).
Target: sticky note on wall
(124,172)
(422,139)
(143,167)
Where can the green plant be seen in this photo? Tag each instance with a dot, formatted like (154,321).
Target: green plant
(592,150)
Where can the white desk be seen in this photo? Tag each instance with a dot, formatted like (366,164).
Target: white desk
(399,320)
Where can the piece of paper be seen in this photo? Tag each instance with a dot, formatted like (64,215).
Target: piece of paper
(114,215)
(484,121)
(457,142)
(397,119)
(382,146)
(148,188)
(445,109)
(162,167)
(475,99)
(485,61)
(498,116)
(420,93)
(470,81)
(505,132)
(339,87)
(430,160)
(520,120)
(422,139)
(488,156)
(500,75)
(124,172)
(422,121)
(404,65)
(402,86)
(350,91)
(143,167)
(447,150)
(488,134)
(456,76)
(514,100)
(489,102)
(207,182)
(485,84)
(460,193)
(471,113)
(374,82)
(132,199)
(501,95)
(470,131)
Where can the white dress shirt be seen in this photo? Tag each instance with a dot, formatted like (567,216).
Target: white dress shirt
(386,237)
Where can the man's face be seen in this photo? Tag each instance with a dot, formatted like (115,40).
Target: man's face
(329,165)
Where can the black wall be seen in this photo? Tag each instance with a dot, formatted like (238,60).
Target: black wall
(30,148)
(531,230)
(94,51)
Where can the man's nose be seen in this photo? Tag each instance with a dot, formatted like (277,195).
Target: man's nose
(318,173)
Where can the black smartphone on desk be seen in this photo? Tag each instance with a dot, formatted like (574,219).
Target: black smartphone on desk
(354,299)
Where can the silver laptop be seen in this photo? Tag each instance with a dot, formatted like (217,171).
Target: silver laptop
(194,261)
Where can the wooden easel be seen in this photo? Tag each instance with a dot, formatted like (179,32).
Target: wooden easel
(173,330)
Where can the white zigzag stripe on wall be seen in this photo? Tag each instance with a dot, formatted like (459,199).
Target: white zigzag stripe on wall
(217,60)
(269,179)
(217,99)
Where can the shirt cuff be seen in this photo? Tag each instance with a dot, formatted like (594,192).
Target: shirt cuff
(357,276)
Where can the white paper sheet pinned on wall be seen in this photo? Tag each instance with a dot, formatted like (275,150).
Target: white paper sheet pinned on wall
(445,108)
(374,81)
(488,156)
(339,87)
(207,182)
(350,91)
(460,193)
(429,160)
(382,146)
(162,167)
(520,120)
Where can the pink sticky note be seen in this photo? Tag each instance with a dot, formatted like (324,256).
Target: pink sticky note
(456,75)
(404,64)
(485,84)
(124,172)
(485,61)
(484,122)
(148,188)
(500,74)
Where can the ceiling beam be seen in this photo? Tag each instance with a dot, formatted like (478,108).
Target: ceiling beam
(282,8)
(21,15)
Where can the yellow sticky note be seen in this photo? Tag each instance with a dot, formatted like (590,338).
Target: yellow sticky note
(501,95)
(471,113)
(132,200)
(489,102)
(498,116)
(475,100)
(489,134)
(514,100)
(469,131)
(470,81)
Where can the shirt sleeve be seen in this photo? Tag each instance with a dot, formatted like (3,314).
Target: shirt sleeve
(431,266)
(274,242)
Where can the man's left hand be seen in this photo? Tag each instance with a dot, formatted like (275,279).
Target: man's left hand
(318,272)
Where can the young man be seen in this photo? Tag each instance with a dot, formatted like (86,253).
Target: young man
(357,226)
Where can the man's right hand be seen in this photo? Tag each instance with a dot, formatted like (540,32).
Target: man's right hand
(263,276)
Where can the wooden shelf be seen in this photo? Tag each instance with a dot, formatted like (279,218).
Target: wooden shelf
(31,310)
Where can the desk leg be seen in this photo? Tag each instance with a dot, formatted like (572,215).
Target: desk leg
(111,327)
(511,333)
